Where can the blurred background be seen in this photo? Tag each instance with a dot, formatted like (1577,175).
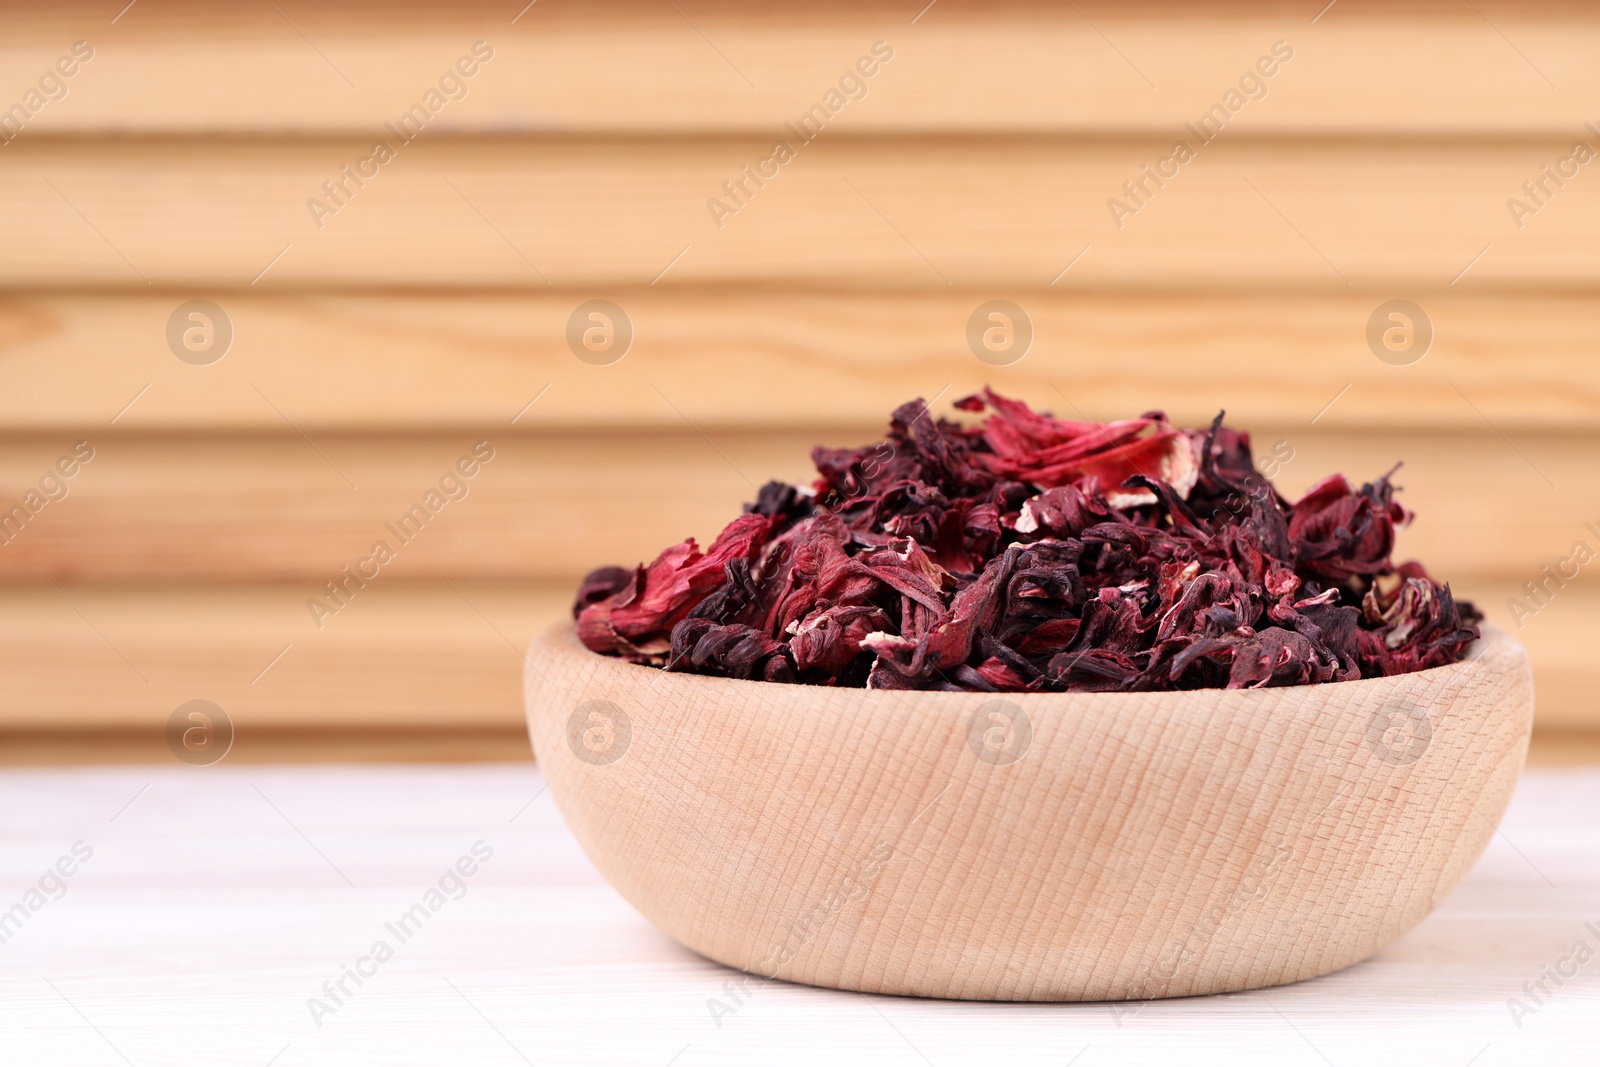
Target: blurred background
(240,342)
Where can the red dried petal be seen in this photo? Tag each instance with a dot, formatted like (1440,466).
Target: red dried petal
(1037,553)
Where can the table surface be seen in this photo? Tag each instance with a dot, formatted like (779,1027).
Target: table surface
(214,903)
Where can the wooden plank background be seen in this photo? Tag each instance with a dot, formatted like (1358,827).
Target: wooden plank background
(371,351)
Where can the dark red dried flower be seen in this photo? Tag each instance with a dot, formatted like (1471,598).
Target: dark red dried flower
(1033,553)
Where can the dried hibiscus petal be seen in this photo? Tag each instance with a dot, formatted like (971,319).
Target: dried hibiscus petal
(636,621)
(1032,553)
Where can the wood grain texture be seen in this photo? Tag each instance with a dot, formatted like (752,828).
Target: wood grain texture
(554,505)
(988,846)
(418,319)
(400,655)
(190,67)
(203,902)
(289,508)
(258,743)
(759,358)
(912,213)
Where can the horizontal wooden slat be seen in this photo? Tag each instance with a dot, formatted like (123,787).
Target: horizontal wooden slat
(990,212)
(377,362)
(404,655)
(408,655)
(282,507)
(264,742)
(555,505)
(186,67)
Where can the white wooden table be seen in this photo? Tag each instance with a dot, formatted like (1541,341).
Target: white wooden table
(217,901)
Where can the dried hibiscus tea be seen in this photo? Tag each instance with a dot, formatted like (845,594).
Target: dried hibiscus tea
(1035,553)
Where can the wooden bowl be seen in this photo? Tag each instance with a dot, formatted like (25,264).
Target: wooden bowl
(1082,846)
